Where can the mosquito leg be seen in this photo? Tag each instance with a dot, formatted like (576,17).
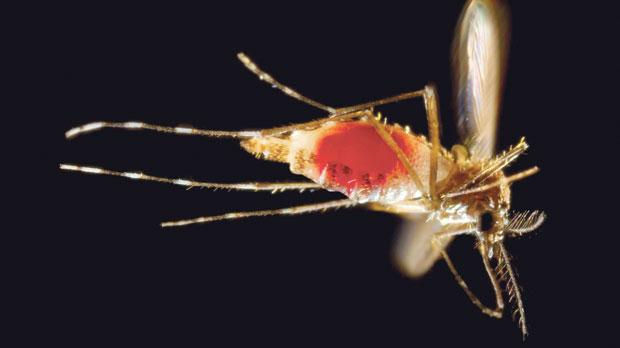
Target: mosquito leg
(338,116)
(262,75)
(245,186)
(432,114)
(380,128)
(95,126)
(384,101)
(499,300)
(250,65)
(297,210)
(499,307)
(245,134)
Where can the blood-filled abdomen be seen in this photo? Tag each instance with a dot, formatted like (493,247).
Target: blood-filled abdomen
(351,157)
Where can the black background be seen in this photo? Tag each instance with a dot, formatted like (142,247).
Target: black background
(96,266)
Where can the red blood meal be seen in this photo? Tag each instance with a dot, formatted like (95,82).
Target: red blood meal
(354,155)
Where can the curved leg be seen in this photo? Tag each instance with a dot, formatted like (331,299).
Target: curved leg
(264,76)
(499,306)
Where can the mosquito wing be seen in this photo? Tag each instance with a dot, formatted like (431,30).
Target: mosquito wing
(479,56)
(413,252)
(479,61)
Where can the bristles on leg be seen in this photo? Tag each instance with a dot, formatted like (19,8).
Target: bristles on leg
(245,186)
(263,76)
(133,125)
(297,210)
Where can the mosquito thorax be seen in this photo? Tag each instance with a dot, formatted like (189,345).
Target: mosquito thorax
(490,205)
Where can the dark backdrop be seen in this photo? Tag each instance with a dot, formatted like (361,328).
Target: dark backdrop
(97,267)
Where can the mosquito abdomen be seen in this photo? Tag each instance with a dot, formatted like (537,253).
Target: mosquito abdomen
(352,158)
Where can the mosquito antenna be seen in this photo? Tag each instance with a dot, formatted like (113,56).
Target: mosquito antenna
(296,210)
(504,181)
(263,76)
(525,222)
(244,186)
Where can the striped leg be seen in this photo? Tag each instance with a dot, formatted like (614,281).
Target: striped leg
(297,210)
(499,307)
(245,186)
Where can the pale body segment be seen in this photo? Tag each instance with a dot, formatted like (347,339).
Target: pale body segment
(440,193)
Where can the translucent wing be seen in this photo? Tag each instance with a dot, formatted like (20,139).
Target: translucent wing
(413,253)
(479,56)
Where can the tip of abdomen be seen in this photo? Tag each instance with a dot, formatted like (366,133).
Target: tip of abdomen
(268,148)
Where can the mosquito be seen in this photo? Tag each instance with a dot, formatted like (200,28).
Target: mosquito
(440,193)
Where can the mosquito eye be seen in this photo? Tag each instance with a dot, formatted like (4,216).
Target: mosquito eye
(486,222)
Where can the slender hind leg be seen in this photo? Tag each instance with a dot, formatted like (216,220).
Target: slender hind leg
(243,186)
(297,210)
(245,134)
(134,125)
(263,76)
(336,114)
(499,307)
(430,104)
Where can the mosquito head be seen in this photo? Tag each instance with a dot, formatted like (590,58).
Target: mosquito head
(496,220)
(496,224)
